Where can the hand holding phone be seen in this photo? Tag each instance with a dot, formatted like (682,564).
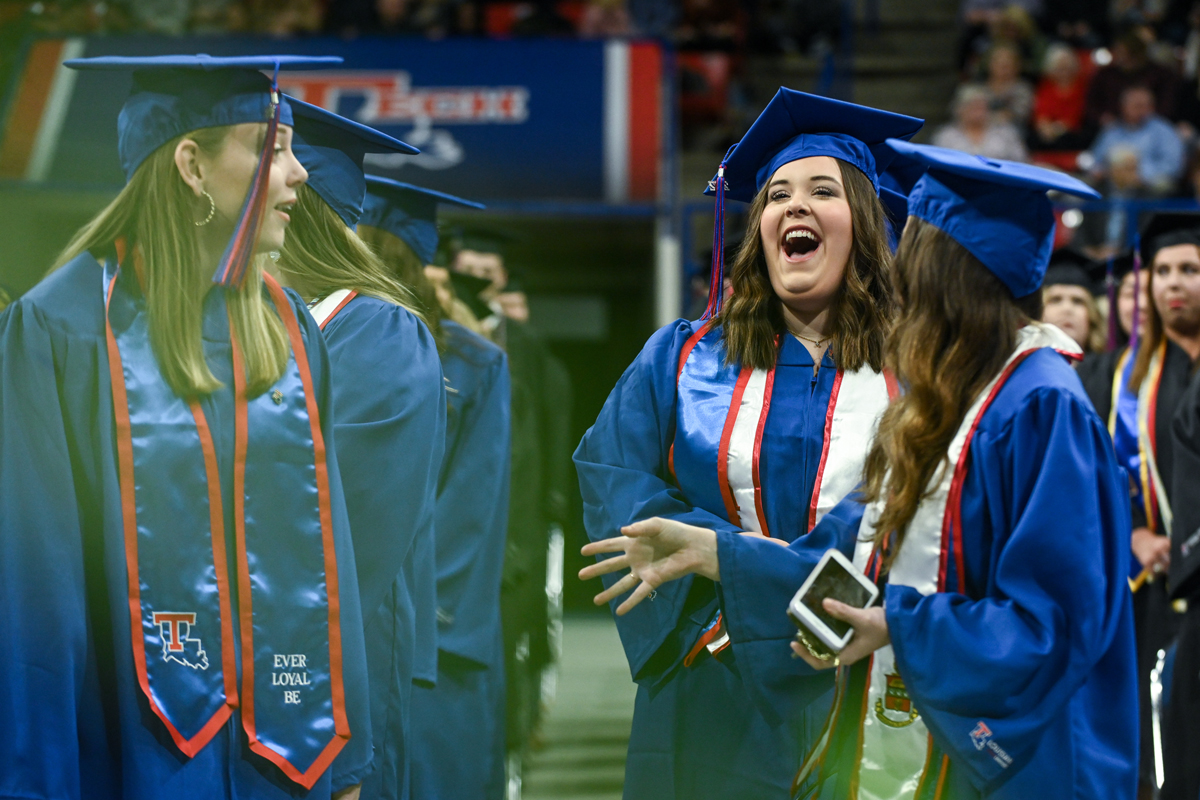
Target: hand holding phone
(834,576)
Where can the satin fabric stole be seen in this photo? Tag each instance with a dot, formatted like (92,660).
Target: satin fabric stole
(857,401)
(165,452)
(1158,506)
(895,755)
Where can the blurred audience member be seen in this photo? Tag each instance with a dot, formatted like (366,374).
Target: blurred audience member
(541,18)
(214,17)
(1159,151)
(1081,23)
(654,17)
(974,131)
(1010,99)
(709,25)
(168,17)
(1103,234)
(1004,22)
(796,26)
(282,18)
(1058,104)
(604,18)
(1131,66)
(432,18)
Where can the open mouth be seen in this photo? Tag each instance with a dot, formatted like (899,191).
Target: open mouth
(799,242)
(286,208)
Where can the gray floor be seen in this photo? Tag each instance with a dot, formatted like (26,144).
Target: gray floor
(587,731)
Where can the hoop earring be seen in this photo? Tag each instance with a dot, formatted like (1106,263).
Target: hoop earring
(212,209)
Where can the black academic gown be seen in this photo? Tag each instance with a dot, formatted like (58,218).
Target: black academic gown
(523,589)
(1182,709)
(1157,622)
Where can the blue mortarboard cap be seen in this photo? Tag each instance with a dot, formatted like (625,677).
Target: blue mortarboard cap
(407,212)
(997,210)
(895,183)
(173,95)
(331,148)
(797,125)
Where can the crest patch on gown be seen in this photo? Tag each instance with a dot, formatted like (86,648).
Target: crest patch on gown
(178,645)
(895,708)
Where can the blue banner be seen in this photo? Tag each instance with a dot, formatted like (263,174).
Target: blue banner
(522,119)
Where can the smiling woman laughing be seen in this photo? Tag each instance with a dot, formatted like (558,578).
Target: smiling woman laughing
(754,419)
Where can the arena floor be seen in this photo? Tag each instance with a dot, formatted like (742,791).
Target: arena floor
(585,736)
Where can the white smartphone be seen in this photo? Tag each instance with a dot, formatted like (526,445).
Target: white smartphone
(834,576)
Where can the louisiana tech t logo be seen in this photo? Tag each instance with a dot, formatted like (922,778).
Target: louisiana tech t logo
(177,645)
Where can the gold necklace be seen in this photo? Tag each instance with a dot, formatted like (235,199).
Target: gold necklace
(815,342)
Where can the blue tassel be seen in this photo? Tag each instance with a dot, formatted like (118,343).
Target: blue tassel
(1135,336)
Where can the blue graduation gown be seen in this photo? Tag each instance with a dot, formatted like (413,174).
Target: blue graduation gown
(1038,642)
(391,419)
(458,727)
(697,731)
(77,724)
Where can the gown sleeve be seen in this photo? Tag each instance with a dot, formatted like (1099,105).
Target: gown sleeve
(48,692)
(423,581)
(472,520)
(1053,595)
(1185,495)
(758,580)
(624,477)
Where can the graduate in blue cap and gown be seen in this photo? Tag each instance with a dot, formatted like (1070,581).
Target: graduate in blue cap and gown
(181,612)
(391,421)
(467,705)
(994,518)
(752,421)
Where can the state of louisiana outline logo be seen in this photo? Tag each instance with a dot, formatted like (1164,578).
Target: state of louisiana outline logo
(981,735)
(177,645)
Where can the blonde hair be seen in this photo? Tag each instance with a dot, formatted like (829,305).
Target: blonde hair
(326,255)
(406,267)
(155,213)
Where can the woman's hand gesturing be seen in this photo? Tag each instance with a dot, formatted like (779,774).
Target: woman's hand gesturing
(655,551)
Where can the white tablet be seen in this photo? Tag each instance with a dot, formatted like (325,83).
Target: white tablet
(834,576)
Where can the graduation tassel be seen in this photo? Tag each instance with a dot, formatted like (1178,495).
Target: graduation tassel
(716,285)
(1135,333)
(1110,287)
(232,268)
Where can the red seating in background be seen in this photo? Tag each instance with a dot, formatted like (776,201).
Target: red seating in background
(499,19)
(704,93)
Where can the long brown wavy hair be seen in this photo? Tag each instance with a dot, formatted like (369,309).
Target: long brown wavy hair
(1152,335)
(156,213)
(957,326)
(862,309)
